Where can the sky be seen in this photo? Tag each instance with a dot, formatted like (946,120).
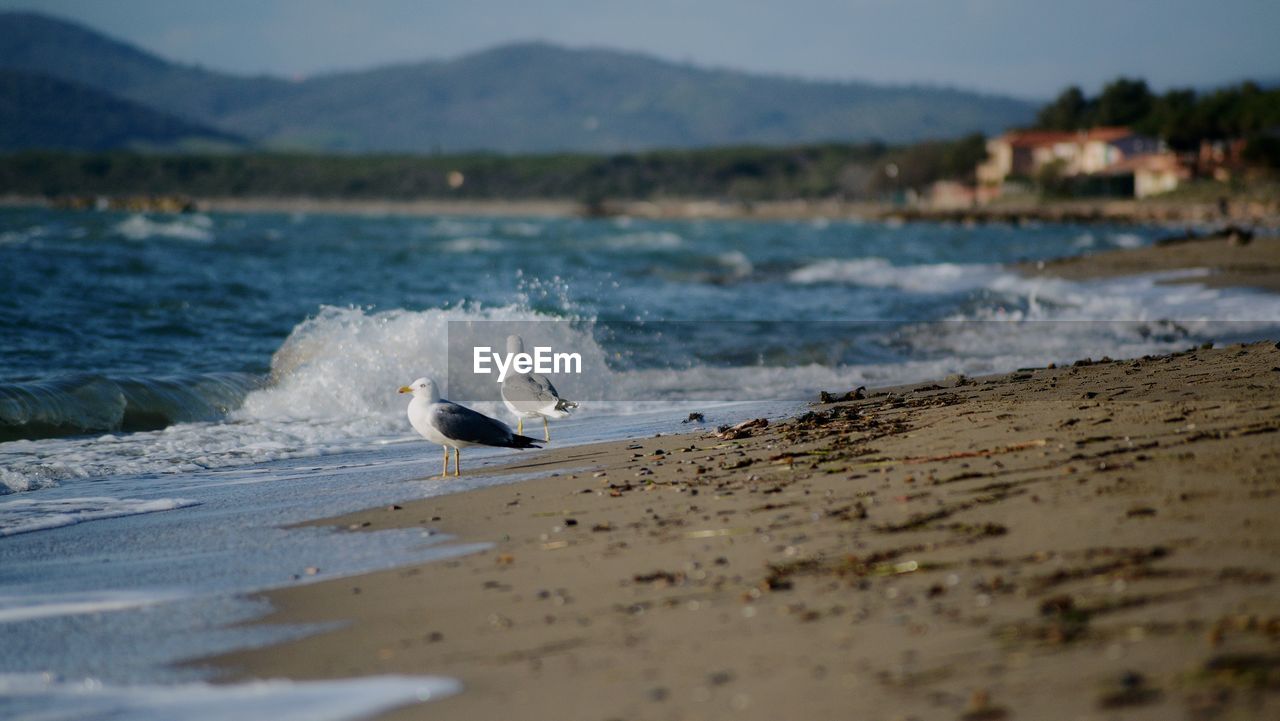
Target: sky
(1029,48)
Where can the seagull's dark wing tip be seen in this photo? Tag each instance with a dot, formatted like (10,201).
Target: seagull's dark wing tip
(518,441)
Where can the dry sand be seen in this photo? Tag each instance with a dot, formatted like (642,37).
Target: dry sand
(1096,541)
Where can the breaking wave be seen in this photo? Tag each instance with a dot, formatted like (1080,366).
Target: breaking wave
(333,381)
(195,228)
(80,404)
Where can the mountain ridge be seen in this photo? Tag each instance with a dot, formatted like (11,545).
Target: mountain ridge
(39,112)
(528,96)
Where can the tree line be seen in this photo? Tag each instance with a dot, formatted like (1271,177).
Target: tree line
(742,173)
(1181,117)
(830,170)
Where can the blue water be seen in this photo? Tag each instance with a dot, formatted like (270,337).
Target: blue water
(173,389)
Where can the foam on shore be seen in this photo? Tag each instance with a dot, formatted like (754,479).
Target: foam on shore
(39,697)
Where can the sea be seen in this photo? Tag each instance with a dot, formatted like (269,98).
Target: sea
(178,391)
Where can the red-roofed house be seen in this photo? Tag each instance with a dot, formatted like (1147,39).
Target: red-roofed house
(1020,153)
(1024,154)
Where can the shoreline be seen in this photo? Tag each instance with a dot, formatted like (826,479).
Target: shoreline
(1227,264)
(1113,211)
(1051,543)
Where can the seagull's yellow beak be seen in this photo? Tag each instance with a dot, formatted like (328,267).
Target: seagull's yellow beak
(406,389)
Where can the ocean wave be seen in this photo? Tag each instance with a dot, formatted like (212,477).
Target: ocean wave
(346,364)
(79,404)
(332,389)
(25,515)
(452,228)
(738,264)
(195,228)
(18,237)
(520,229)
(646,240)
(471,245)
(333,381)
(1162,296)
(879,273)
(33,696)
(1126,240)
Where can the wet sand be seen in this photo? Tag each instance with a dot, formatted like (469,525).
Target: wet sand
(1094,541)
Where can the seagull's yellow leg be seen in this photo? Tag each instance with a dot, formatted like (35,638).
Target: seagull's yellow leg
(445,472)
(520,425)
(546,429)
(457,462)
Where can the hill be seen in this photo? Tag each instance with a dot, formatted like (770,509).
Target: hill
(535,97)
(41,112)
(45,45)
(527,97)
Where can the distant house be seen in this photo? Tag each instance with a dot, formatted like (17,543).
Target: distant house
(1021,154)
(1102,148)
(1026,154)
(1153,173)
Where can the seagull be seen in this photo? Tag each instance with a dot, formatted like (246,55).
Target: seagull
(451,425)
(531,395)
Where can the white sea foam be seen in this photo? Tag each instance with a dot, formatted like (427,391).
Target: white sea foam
(654,240)
(1085,240)
(18,237)
(1153,296)
(520,229)
(880,273)
(471,245)
(452,228)
(196,228)
(1126,240)
(32,697)
(737,262)
(30,607)
(345,365)
(1034,320)
(182,448)
(24,515)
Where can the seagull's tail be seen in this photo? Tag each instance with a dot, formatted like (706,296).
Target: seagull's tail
(558,409)
(519,441)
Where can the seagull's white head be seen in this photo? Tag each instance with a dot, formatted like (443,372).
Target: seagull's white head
(423,388)
(515,344)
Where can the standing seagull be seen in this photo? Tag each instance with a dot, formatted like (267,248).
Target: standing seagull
(453,426)
(531,395)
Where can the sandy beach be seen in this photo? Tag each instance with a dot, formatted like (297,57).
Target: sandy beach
(1173,213)
(1079,542)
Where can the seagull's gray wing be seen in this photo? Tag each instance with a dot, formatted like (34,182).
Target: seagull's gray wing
(530,388)
(464,424)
